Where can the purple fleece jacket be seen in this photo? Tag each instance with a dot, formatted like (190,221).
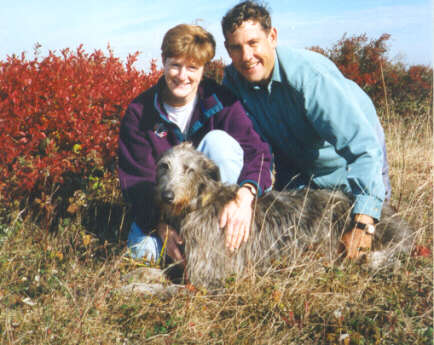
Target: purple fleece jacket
(146,133)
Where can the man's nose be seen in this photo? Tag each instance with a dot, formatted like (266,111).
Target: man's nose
(247,53)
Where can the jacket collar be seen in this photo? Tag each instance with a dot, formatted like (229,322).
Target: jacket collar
(208,103)
(276,76)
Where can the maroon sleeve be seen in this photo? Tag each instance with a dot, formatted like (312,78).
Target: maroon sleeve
(137,167)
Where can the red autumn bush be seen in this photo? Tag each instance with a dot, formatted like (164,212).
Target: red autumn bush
(407,89)
(410,89)
(215,70)
(61,114)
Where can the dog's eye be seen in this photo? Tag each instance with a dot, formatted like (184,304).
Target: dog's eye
(187,169)
(162,167)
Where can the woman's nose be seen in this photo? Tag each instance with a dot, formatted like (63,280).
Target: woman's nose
(182,73)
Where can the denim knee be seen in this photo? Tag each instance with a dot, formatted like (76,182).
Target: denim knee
(226,152)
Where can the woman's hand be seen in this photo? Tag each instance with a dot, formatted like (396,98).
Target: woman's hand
(236,218)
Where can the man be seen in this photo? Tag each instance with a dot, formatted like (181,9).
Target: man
(322,128)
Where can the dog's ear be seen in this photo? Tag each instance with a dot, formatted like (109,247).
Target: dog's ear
(186,145)
(212,171)
(214,174)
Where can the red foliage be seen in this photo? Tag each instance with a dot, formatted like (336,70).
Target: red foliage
(423,251)
(61,114)
(410,89)
(365,62)
(214,70)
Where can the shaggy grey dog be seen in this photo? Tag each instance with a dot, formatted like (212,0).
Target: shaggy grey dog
(286,224)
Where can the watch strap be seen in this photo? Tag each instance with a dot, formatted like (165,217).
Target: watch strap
(369,228)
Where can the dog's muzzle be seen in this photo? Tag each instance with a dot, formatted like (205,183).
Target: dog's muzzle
(167,196)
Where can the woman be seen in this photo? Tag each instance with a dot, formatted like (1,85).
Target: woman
(183,106)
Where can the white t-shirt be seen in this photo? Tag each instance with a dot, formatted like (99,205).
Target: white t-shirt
(181,116)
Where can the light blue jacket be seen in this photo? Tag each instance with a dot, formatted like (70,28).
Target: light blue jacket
(322,127)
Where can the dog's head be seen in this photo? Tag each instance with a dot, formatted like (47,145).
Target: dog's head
(183,174)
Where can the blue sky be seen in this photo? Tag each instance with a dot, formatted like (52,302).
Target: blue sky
(139,25)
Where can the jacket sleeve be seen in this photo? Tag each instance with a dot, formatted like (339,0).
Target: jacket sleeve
(257,157)
(137,168)
(336,116)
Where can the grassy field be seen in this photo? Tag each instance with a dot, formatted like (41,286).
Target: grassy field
(62,287)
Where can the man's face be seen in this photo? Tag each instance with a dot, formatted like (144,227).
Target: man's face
(252,51)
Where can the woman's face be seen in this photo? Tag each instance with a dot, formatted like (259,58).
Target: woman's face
(182,79)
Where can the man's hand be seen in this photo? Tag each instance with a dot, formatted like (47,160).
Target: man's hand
(357,241)
(236,218)
(169,236)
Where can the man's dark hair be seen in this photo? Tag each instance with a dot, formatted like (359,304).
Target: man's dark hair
(244,11)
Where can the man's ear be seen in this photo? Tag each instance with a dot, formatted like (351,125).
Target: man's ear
(226,46)
(272,37)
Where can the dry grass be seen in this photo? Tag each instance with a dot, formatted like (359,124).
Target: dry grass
(410,154)
(61,288)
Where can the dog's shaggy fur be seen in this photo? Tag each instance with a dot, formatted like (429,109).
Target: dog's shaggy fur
(191,197)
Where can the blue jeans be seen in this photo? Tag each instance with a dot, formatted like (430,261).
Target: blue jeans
(227,153)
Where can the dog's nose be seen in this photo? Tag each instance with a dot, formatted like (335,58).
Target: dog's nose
(167,196)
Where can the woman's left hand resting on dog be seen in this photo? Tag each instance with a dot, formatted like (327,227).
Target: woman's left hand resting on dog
(236,217)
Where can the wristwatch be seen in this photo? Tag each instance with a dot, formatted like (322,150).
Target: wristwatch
(251,188)
(369,228)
